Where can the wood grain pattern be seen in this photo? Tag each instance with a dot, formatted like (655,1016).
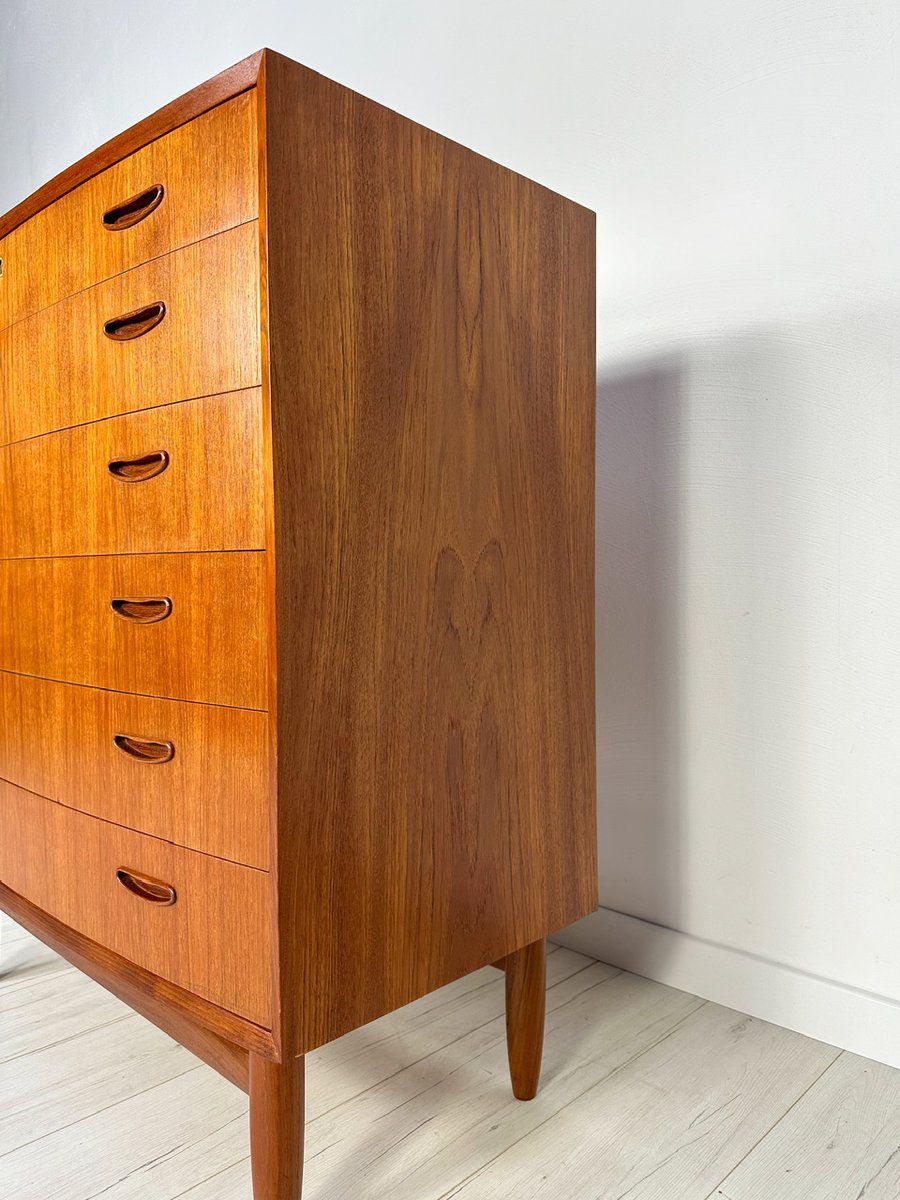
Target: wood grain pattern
(840,1142)
(192,104)
(170,1007)
(419,626)
(526,984)
(214,941)
(57,368)
(208,169)
(276,1127)
(57,496)
(430,380)
(212,796)
(696,1101)
(58,624)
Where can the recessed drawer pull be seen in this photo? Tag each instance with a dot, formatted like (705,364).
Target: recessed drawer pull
(147,889)
(136,470)
(130,212)
(142,611)
(144,751)
(135,324)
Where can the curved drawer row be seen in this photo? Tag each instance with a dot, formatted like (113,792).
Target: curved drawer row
(187,476)
(195,774)
(197,181)
(172,911)
(178,626)
(181,326)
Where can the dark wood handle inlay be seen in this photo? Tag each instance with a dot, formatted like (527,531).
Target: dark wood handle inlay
(136,470)
(143,750)
(135,324)
(147,889)
(143,611)
(137,208)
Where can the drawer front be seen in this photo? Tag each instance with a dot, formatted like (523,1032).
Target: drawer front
(184,477)
(190,328)
(182,626)
(197,181)
(193,774)
(213,940)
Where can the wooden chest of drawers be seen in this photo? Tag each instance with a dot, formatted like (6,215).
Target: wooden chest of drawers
(296,575)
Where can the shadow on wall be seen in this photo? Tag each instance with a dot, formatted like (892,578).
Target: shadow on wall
(748,650)
(639,438)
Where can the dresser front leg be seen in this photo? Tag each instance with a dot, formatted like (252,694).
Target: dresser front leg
(526,983)
(276,1128)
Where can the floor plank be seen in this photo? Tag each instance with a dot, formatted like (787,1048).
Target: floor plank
(59,1085)
(840,1142)
(672,1123)
(24,960)
(647,1094)
(414,1135)
(52,1009)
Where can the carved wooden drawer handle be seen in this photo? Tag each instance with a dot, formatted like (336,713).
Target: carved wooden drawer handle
(147,889)
(130,212)
(135,324)
(136,470)
(143,750)
(142,611)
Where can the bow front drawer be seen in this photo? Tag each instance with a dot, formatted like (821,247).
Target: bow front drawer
(199,180)
(182,626)
(182,326)
(194,774)
(197,921)
(183,477)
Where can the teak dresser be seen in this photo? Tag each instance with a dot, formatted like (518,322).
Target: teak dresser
(296,576)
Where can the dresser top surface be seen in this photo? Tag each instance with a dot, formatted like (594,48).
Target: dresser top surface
(215,91)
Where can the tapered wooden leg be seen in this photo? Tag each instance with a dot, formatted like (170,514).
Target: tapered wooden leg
(276,1128)
(526,984)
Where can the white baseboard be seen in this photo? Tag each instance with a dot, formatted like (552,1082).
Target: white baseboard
(852,1019)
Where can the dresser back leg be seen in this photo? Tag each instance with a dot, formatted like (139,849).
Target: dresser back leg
(276,1128)
(526,982)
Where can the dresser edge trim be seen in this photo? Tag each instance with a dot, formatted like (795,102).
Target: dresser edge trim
(224,86)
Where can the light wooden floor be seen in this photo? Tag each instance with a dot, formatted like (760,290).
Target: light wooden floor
(648,1094)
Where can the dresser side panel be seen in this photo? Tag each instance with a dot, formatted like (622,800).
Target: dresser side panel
(431,375)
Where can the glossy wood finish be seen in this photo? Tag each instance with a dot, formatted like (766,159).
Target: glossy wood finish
(434,549)
(59,497)
(58,368)
(211,796)
(277,1092)
(417,633)
(526,991)
(59,624)
(214,941)
(208,170)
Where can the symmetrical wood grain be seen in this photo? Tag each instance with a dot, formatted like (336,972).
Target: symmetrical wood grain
(58,624)
(211,796)
(58,495)
(208,172)
(58,368)
(430,357)
(214,940)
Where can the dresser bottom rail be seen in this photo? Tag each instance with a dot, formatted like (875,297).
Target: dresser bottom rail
(219,1038)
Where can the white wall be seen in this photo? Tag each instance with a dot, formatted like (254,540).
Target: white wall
(743,160)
